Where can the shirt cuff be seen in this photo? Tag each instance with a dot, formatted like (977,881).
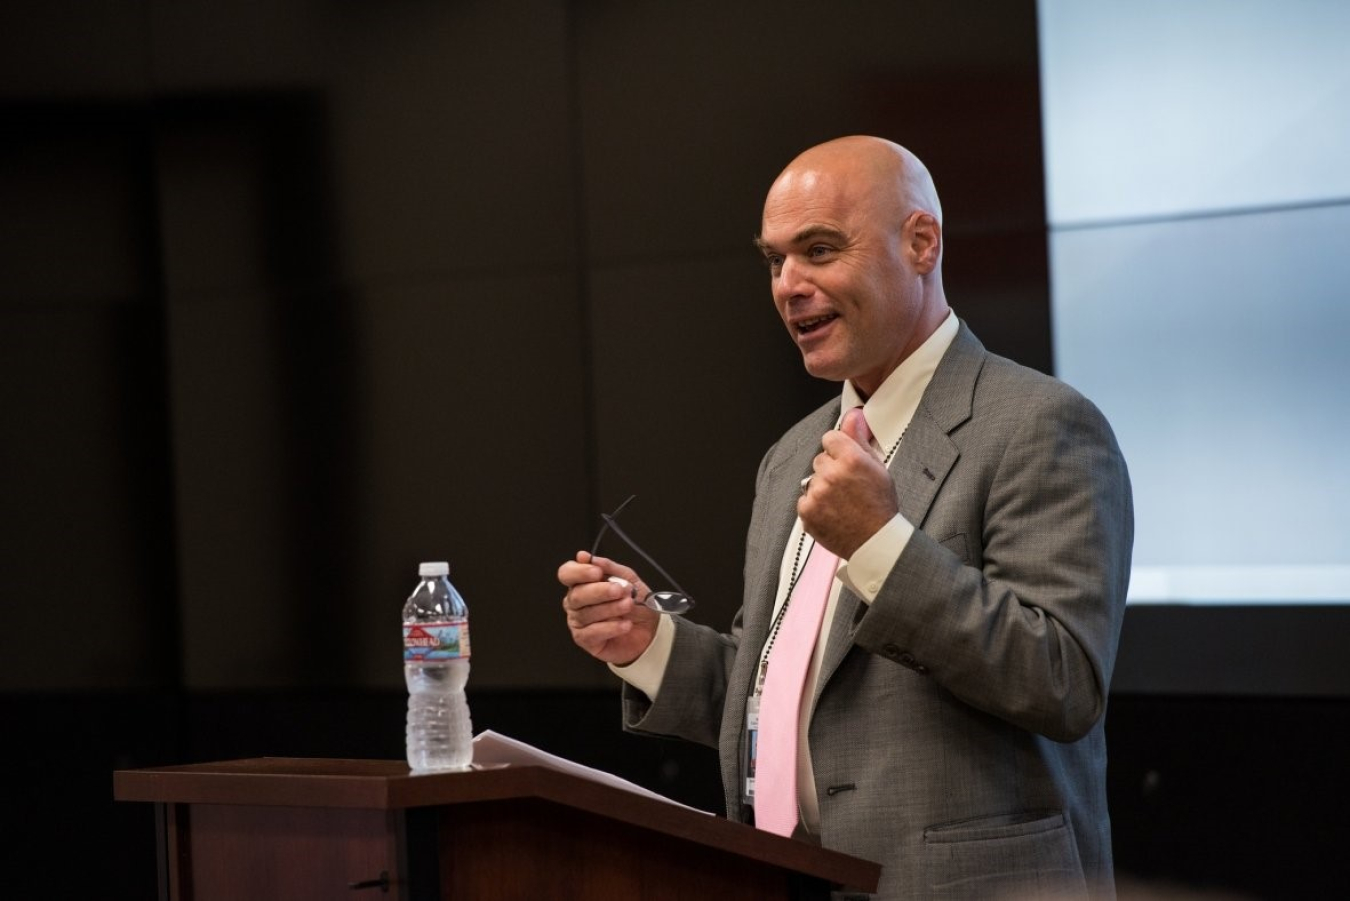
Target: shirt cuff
(646,672)
(866,571)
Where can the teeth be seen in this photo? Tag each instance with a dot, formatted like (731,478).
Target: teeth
(808,324)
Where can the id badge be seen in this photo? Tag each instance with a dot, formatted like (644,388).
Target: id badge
(751,748)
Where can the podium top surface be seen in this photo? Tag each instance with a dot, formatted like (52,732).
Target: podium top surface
(388,785)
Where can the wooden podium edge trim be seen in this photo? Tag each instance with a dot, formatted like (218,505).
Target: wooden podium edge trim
(388,785)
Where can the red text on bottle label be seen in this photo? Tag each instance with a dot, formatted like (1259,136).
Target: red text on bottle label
(430,642)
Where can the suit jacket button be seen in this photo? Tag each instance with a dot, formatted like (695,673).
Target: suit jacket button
(891,651)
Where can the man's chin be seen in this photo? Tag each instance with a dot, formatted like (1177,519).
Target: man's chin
(829,370)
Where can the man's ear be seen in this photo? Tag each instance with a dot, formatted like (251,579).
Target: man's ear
(923,241)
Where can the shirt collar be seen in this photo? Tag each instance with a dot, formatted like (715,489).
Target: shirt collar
(890,409)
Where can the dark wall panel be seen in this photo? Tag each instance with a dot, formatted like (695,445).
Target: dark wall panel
(373,295)
(85,535)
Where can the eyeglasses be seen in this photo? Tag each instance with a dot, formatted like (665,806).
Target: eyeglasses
(669,602)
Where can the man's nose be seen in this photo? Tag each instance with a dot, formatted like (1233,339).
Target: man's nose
(793,280)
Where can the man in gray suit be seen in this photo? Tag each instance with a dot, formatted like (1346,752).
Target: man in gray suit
(952,721)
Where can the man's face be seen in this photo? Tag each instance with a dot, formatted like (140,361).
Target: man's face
(841,274)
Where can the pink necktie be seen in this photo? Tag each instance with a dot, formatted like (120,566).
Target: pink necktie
(784,685)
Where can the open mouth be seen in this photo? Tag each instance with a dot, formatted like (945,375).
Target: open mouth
(807,326)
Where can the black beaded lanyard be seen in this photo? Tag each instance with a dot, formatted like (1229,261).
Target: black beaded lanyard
(797,568)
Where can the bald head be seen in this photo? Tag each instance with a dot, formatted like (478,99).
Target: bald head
(880,173)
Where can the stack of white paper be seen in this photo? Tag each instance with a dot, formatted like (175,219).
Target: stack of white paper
(492,750)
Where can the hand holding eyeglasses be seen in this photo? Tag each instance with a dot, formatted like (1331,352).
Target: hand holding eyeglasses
(673,601)
(611,612)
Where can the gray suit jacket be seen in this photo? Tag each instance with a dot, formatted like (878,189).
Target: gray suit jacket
(957,735)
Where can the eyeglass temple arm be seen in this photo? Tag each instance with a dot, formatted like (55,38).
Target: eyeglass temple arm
(609,521)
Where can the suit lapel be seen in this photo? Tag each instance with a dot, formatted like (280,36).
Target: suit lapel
(921,465)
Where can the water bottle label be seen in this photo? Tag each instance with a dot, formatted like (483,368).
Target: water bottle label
(428,642)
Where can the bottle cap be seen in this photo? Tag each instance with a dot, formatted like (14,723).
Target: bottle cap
(431,570)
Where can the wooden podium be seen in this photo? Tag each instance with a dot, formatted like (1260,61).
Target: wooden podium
(298,829)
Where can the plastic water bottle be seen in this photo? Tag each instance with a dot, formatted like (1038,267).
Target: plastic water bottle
(436,668)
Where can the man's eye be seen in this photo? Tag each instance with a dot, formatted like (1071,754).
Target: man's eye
(819,250)
(774,262)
